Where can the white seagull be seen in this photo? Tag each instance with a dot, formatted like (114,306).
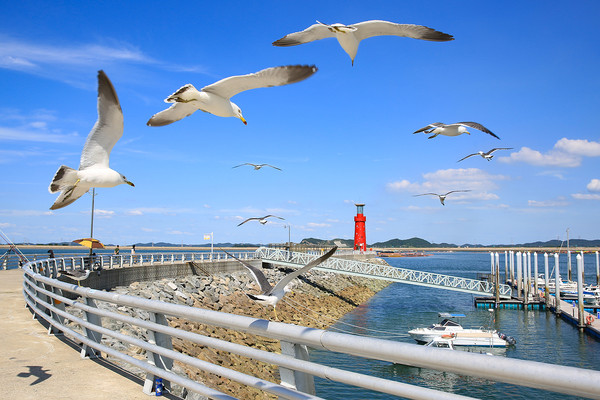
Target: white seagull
(77,274)
(93,165)
(215,98)
(439,128)
(442,197)
(349,36)
(272,294)
(488,156)
(257,166)
(262,220)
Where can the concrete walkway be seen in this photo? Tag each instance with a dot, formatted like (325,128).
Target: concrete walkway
(37,365)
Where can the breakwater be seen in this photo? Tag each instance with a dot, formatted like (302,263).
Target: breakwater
(318,300)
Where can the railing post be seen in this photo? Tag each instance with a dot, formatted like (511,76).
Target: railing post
(162,362)
(300,381)
(556,284)
(151,259)
(580,313)
(87,351)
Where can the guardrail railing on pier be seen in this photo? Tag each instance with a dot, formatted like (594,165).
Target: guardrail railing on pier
(44,295)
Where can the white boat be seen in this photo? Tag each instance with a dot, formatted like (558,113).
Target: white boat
(448,328)
(441,343)
(564,286)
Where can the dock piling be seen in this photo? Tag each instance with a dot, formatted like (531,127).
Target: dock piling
(556,284)
(535,273)
(597,269)
(580,314)
(546,278)
(519,273)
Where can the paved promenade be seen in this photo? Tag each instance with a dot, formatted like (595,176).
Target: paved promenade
(37,365)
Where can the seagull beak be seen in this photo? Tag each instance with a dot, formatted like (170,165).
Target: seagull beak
(243,120)
(130,183)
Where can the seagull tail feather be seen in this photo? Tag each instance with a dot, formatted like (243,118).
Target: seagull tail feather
(63,178)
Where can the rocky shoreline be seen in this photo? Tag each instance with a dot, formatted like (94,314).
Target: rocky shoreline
(318,300)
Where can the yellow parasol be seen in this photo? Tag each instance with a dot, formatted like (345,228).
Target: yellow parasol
(90,243)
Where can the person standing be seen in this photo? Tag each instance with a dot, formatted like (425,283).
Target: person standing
(117,250)
(51,253)
(133,249)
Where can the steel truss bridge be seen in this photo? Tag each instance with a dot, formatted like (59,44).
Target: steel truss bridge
(386,272)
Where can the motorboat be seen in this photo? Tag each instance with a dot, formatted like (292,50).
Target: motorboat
(449,328)
(564,286)
(441,343)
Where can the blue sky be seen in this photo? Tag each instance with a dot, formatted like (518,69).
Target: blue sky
(528,71)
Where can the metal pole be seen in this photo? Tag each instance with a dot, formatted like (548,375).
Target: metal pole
(546,278)
(582,268)
(519,272)
(556,284)
(512,268)
(569,277)
(497,281)
(535,274)
(597,269)
(525,279)
(580,318)
(505,266)
(492,266)
(92,223)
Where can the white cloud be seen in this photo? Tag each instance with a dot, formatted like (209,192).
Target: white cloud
(153,210)
(34,136)
(565,153)
(25,213)
(6,225)
(442,181)
(586,196)
(594,185)
(548,203)
(317,225)
(104,213)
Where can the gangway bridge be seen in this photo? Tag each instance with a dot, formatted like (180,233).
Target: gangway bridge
(372,270)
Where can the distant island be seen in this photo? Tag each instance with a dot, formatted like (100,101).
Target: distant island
(413,243)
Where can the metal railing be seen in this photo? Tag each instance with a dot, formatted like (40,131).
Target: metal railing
(371,270)
(44,295)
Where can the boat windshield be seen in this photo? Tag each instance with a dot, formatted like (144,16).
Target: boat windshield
(448,322)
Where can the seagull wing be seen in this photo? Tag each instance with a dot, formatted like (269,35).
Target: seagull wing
(470,155)
(69,195)
(249,219)
(425,194)
(258,275)
(434,125)
(243,165)
(269,165)
(498,148)
(456,191)
(289,277)
(275,216)
(475,125)
(369,29)
(108,128)
(276,76)
(310,34)
(174,113)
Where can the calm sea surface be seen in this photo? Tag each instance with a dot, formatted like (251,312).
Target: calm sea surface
(401,307)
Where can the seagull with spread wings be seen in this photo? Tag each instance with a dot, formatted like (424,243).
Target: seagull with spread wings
(257,166)
(77,274)
(272,294)
(488,156)
(93,165)
(439,128)
(442,197)
(262,220)
(349,36)
(215,98)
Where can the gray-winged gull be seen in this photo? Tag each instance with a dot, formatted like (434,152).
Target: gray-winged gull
(262,220)
(215,98)
(272,294)
(488,156)
(257,166)
(439,128)
(442,197)
(349,36)
(93,165)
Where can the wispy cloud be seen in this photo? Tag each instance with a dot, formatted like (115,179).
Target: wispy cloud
(58,61)
(442,181)
(156,210)
(25,213)
(586,196)
(565,153)
(29,135)
(548,203)
(594,185)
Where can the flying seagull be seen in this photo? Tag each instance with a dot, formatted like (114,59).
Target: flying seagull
(215,98)
(77,274)
(349,36)
(93,165)
(262,220)
(272,294)
(441,196)
(258,166)
(439,128)
(488,156)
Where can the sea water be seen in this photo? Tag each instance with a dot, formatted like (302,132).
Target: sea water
(392,312)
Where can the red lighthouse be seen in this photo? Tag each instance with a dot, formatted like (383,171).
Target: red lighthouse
(360,237)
